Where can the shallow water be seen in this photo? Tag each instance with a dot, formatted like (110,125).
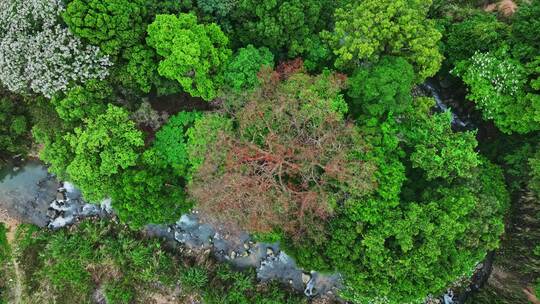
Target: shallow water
(17,179)
(26,191)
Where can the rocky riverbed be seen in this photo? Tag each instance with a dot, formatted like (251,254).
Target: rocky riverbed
(270,262)
(32,195)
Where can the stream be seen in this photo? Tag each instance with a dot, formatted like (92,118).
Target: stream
(460,121)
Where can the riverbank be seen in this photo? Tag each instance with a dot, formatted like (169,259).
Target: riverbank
(10,224)
(100,261)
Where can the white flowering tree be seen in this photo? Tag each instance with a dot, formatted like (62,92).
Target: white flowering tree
(498,85)
(38,54)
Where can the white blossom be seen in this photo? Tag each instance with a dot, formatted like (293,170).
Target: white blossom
(38,54)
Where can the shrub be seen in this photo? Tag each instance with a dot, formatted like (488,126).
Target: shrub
(4,259)
(194,278)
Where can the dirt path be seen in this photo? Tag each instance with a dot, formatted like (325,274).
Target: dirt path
(11,225)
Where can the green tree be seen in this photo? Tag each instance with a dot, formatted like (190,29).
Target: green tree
(48,130)
(83,101)
(441,152)
(287,27)
(171,142)
(368,29)
(193,54)
(203,135)
(153,191)
(111,24)
(102,147)
(242,70)
(148,194)
(427,245)
(140,71)
(382,86)
(14,127)
(481,32)
(526,30)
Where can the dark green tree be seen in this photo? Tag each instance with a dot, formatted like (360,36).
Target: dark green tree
(219,8)
(526,30)
(242,70)
(381,87)
(113,25)
(14,127)
(287,27)
(148,194)
(481,32)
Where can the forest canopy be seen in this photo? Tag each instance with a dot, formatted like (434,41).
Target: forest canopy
(388,141)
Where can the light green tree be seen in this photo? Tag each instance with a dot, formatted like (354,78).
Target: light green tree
(193,54)
(102,147)
(83,101)
(441,152)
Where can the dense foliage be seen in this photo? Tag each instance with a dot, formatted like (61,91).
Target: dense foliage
(311,123)
(368,29)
